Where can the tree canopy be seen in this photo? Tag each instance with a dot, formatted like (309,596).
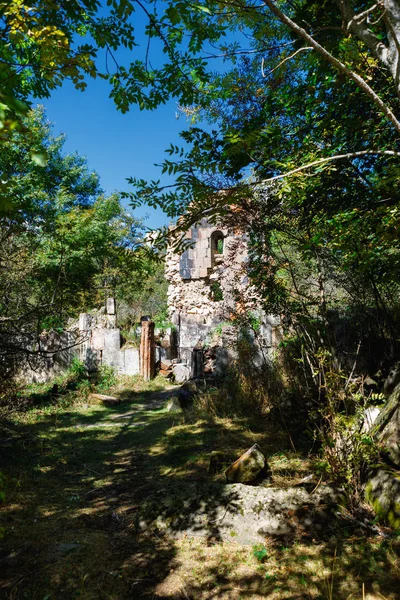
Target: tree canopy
(64,246)
(294,109)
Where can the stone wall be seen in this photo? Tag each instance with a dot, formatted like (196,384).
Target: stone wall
(102,342)
(55,353)
(208,286)
(94,339)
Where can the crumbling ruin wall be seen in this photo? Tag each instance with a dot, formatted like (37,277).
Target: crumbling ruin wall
(208,285)
(102,342)
(94,339)
(193,273)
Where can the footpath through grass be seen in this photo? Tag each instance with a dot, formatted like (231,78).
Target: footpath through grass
(78,476)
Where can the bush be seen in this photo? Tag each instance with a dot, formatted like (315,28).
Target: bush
(105,378)
(77,369)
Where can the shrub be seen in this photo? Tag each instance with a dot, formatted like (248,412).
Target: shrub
(77,369)
(105,378)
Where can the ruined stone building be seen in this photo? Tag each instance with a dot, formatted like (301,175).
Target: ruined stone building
(208,290)
(208,286)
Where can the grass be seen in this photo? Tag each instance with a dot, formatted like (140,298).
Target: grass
(80,476)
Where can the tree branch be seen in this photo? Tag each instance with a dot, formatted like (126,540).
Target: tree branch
(321,161)
(283,61)
(361,83)
(354,23)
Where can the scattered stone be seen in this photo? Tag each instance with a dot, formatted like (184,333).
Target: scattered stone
(249,467)
(166,364)
(103,399)
(181,373)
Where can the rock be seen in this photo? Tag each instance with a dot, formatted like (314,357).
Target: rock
(382,492)
(383,487)
(243,513)
(246,468)
(181,373)
(387,427)
(166,364)
(173,405)
(103,399)
(390,438)
(392,380)
(370,416)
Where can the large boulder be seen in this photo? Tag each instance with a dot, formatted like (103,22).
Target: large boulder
(392,380)
(387,427)
(382,492)
(248,467)
(243,513)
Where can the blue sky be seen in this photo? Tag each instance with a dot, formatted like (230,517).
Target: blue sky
(119,145)
(116,145)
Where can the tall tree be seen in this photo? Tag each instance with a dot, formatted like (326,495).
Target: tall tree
(63,245)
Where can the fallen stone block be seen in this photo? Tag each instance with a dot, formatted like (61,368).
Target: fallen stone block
(104,399)
(248,467)
(181,373)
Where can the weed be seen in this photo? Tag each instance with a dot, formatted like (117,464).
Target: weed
(260,552)
(105,378)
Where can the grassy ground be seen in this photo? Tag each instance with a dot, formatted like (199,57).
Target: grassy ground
(77,476)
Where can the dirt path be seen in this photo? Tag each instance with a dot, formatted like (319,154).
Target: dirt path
(85,485)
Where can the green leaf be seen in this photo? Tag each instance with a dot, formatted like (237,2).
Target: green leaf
(39,158)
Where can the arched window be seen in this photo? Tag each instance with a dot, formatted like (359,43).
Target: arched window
(217,247)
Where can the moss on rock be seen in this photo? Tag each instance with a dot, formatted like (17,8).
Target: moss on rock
(382,492)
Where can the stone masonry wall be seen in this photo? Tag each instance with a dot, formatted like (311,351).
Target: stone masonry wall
(191,275)
(102,345)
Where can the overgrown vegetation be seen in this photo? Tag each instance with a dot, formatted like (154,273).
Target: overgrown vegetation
(305,148)
(65,248)
(80,478)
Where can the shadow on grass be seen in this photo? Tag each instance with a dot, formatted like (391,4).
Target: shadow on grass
(86,489)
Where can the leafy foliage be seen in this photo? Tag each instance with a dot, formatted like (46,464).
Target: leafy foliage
(65,247)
